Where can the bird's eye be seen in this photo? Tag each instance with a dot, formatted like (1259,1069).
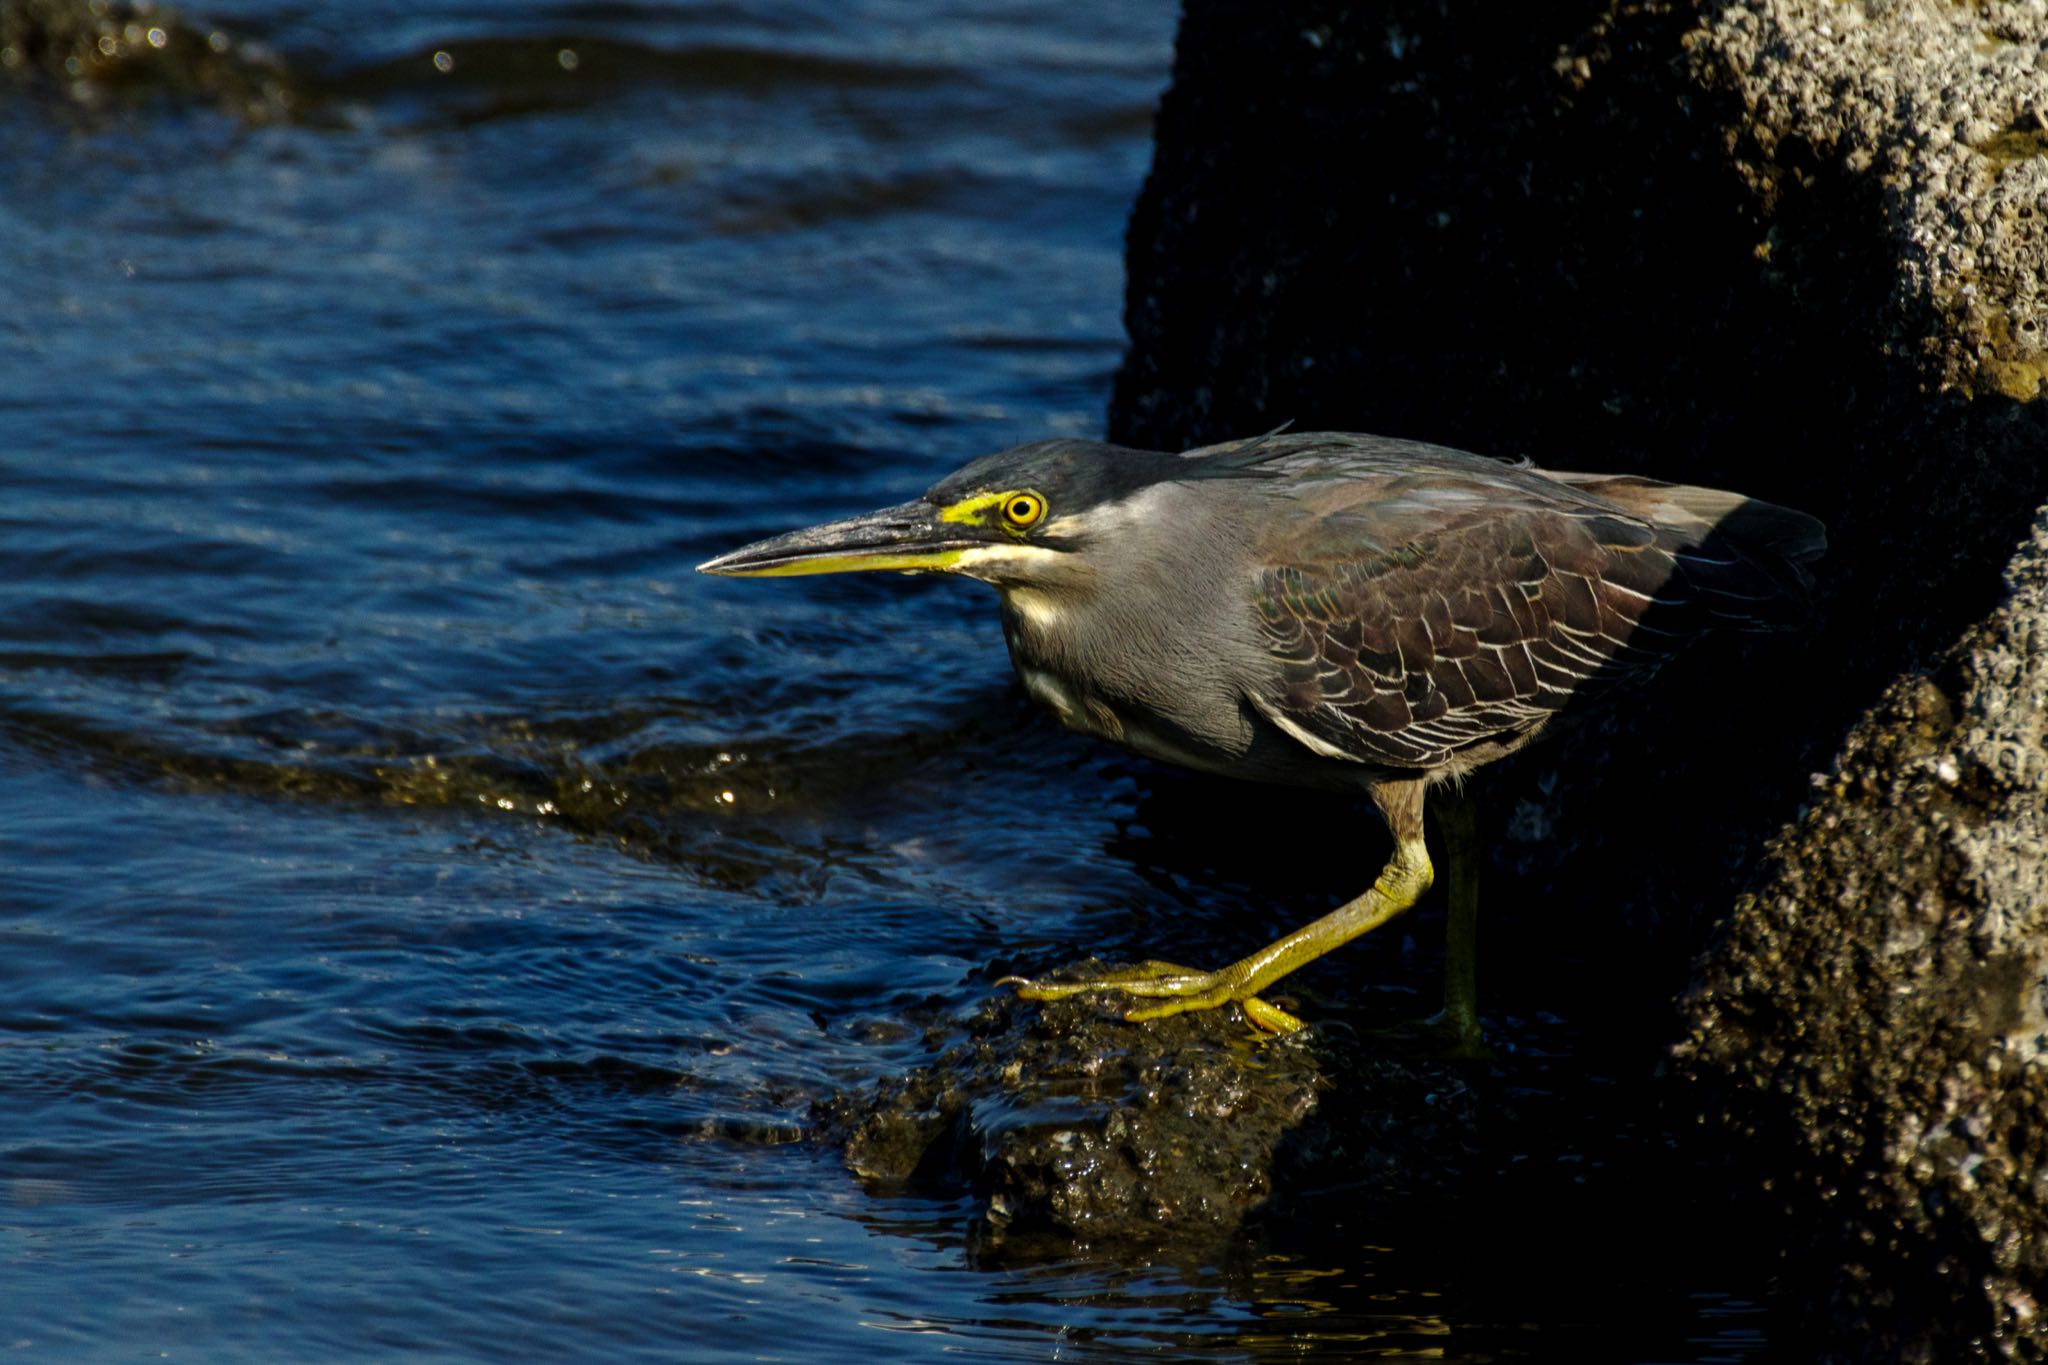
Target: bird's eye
(1023,510)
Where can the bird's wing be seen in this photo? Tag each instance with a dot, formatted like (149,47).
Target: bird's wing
(1412,617)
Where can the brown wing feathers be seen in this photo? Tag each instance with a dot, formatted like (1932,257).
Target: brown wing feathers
(1744,559)
(1488,614)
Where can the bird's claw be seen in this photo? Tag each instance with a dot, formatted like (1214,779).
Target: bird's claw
(1178,990)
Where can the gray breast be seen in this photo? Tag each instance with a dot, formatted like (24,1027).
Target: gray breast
(1162,650)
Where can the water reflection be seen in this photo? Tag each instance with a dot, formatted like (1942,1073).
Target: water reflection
(1345,1298)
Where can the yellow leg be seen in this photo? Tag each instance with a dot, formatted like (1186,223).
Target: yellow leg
(1400,884)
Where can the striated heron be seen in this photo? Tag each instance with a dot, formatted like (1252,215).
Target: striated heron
(1324,610)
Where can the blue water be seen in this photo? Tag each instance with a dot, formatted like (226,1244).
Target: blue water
(427,908)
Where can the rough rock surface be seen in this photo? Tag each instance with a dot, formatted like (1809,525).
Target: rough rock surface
(1878,1008)
(1072,1127)
(1794,247)
(1074,1130)
(1945,108)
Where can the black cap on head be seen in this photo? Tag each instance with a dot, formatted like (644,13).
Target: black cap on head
(1077,475)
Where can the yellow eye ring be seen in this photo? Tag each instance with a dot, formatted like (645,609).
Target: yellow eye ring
(1023,510)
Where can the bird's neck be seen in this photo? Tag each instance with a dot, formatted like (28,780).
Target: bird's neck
(1044,614)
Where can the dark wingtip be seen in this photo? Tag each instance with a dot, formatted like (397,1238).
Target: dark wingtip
(1792,536)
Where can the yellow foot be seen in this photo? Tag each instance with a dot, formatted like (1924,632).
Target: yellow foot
(1270,1018)
(1178,989)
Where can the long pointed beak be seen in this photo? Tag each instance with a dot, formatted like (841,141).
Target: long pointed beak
(910,538)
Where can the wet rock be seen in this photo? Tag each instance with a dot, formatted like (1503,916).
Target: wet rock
(1792,247)
(97,52)
(1074,1129)
(1069,1123)
(1877,1011)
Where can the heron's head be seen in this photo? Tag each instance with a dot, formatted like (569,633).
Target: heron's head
(1031,516)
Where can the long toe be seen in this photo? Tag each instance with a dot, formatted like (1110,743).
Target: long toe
(1179,1003)
(1149,979)
(1265,1019)
(1178,990)
(1270,1018)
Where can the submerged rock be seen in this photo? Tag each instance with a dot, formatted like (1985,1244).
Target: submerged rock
(95,52)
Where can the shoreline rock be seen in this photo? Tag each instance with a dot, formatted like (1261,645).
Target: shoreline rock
(1191,1139)
(1876,1011)
(1074,1129)
(1791,247)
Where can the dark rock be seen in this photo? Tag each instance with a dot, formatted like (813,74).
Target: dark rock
(1791,247)
(1069,1123)
(1877,1011)
(1074,1129)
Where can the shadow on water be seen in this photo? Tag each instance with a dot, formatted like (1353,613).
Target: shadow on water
(1445,1292)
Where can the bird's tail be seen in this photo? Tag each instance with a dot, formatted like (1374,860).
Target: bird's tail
(1746,561)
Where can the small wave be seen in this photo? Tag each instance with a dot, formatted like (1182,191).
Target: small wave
(528,72)
(735,814)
